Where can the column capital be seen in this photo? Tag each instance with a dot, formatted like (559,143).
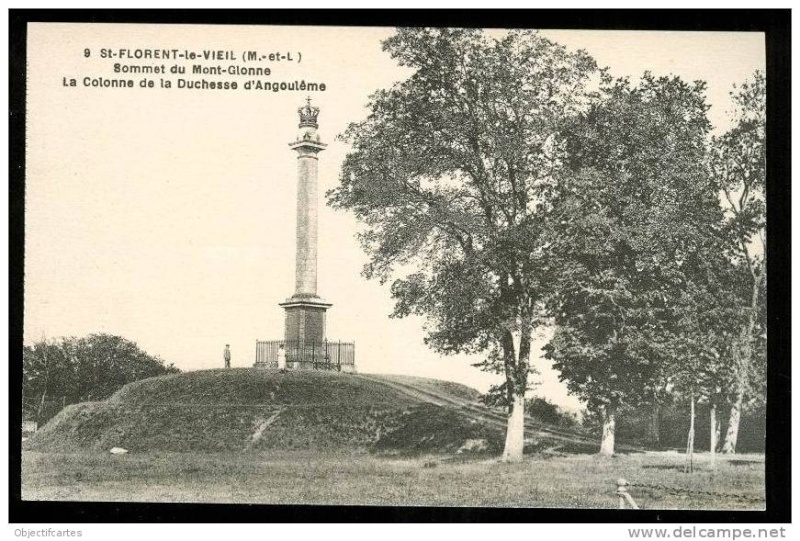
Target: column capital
(307,147)
(306,302)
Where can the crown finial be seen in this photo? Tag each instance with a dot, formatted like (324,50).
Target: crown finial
(308,115)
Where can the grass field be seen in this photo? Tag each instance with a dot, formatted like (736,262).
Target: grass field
(310,477)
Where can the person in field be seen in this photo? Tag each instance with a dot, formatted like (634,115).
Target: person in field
(281,358)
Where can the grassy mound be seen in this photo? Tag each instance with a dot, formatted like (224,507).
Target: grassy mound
(246,386)
(248,410)
(436,386)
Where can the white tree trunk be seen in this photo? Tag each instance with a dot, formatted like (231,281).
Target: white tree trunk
(515,434)
(609,427)
(689,465)
(714,431)
(732,434)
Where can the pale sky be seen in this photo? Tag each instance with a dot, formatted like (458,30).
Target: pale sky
(167,215)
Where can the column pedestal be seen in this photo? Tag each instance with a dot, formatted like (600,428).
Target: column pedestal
(304,331)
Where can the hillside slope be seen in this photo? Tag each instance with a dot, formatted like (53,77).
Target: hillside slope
(538,435)
(248,410)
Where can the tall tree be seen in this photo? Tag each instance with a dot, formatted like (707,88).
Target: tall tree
(451,175)
(739,166)
(634,216)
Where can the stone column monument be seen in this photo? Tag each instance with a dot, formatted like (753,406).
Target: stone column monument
(305,310)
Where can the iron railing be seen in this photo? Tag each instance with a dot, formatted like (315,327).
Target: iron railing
(307,354)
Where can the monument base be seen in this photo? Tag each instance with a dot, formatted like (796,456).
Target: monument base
(305,319)
(265,366)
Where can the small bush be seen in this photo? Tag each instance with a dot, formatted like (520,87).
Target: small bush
(547,412)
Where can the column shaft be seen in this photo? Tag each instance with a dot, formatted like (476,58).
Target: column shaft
(306,254)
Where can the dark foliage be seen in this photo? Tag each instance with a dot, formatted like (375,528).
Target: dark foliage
(70,370)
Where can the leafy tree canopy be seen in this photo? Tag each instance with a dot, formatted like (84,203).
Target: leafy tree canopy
(634,233)
(72,369)
(451,170)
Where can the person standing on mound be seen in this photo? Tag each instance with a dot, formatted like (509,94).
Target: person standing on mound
(281,358)
(227,355)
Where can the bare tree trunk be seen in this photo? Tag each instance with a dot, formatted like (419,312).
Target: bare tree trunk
(655,425)
(714,434)
(41,407)
(744,361)
(517,383)
(609,428)
(732,434)
(515,433)
(689,465)
(46,380)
